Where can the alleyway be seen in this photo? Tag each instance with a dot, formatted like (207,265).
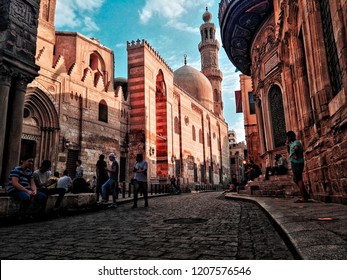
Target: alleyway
(188,226)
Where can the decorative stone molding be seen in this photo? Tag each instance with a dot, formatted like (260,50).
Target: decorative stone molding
(196,109)
(30,137)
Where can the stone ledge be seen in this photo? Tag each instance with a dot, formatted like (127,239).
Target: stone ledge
(9,206)
(278,186)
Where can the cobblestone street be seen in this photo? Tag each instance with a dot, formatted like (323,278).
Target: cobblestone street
(188,226)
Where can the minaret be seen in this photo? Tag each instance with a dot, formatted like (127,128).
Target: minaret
(46,32)
(209,48)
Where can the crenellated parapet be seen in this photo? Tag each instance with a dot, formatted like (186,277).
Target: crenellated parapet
(144,44)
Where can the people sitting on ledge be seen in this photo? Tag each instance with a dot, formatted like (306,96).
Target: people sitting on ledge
(252,171)
(233,184)
(280,167)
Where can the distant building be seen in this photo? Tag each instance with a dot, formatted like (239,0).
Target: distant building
(294,52)
(238,153)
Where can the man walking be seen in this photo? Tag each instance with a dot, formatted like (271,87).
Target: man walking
(296,155)
(140,179)
(111,183)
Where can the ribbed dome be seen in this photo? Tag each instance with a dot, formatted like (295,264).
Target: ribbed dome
(207,16)
(195,83)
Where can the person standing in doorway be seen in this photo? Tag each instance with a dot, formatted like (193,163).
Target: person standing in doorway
(140,179)
(111,184)
(296,156)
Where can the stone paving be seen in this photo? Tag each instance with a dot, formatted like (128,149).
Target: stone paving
(230,230)
(317,230)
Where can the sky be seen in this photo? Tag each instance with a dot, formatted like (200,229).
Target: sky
(171,27)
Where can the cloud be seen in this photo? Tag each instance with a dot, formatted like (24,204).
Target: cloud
(120,45)
(239,127)
(182,26)
(172,11)
(73,14)
(165,8)
(90,25)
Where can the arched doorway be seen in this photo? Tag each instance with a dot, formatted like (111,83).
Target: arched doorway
(277,116)
(40,127)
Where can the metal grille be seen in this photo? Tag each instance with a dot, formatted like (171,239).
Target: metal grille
(277,116)
(330,47)
(72,157)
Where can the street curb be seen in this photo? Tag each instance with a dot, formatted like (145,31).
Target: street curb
(280,230)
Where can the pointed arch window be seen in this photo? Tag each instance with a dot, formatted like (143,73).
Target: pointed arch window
(103,111)
(208,140)
(277,116)
(45,12)
(251,103)
(177,126)
(93,61)
(193,133)
(335,72)
(160,86)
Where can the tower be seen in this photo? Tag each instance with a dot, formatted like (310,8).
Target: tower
(209,48)
(46,32)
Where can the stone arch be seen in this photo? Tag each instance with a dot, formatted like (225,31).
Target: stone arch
(41,126)
(96,62)
(161,126)
(103,111)
(277,118)
(96,68)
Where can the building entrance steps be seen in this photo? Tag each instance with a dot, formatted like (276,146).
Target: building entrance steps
(277,185)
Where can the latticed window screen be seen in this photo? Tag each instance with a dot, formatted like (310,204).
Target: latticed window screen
(330,47)
(277,116)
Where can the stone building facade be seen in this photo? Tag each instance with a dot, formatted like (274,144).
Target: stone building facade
(295,53)
(76,109)
(72,109)
(18,31)
(250,120)
(238,153)
(184,133)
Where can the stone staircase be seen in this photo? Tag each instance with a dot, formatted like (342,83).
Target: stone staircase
(276,186)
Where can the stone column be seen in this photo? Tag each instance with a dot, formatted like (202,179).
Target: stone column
(15,126)
(5,84)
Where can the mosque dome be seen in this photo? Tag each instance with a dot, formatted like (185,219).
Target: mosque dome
(195,83)
(207,16)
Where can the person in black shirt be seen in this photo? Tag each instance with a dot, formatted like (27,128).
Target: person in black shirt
(101,175)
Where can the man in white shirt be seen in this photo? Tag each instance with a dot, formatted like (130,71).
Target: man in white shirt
(43,181)
(65,182)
